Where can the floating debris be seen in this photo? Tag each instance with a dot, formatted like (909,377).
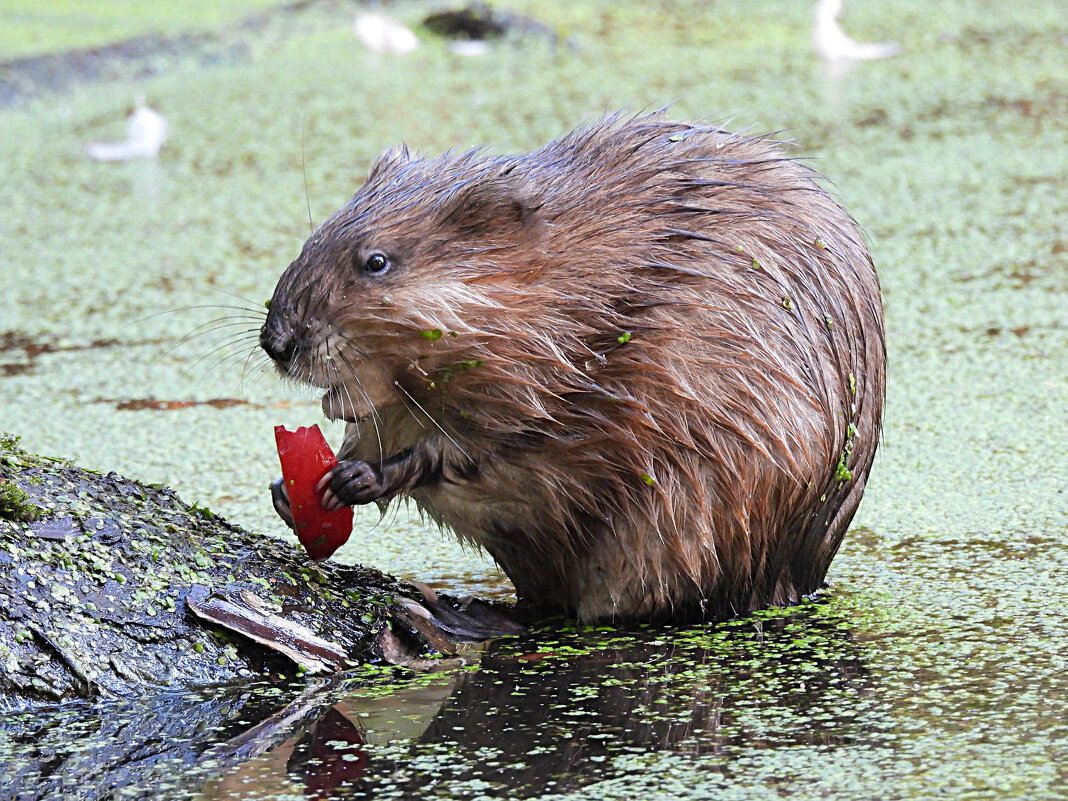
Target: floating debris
(835,45)
(382,34)
(469,47)
(471,28)
(146,131)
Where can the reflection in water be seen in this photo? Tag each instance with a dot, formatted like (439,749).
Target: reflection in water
(330,754)
(839,53)
(158,747)
(549,712)
(553,713)
(147,181)
(488,584)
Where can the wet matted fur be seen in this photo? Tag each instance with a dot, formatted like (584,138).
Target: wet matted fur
(643,367)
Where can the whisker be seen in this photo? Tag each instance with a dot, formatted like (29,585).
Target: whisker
(359,384)
(188,372)
(437,425)
(256,359)
(241,337)
(201,285)
(214,366)
(375,419)
(260,363)
(361,352)
(211,327)
(252,311)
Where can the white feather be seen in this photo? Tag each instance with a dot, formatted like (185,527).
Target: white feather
(834,44)
(146,130)
(382,34)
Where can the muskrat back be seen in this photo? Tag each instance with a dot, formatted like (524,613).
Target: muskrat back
(642,367)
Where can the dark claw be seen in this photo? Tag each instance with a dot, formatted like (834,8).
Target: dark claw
(356,482)
(280,499)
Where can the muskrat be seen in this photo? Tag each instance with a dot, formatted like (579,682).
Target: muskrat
(643,367)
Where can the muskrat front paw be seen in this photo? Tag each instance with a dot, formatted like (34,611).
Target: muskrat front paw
(351,483)
(280,499)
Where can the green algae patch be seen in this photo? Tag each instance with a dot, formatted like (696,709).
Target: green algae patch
(448,372)
(842,473)
(568,708)
(949,584)
(30,27)
(15,504)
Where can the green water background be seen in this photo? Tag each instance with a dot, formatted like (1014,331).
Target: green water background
(953,156)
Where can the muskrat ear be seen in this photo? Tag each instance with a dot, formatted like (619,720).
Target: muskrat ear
(501,203)
(399,154)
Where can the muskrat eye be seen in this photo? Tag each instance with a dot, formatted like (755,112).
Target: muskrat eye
(376,263)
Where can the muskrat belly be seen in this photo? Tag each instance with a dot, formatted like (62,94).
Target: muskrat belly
(593,573)
(533,550)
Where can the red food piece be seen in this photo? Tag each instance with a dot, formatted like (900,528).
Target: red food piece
(305,458)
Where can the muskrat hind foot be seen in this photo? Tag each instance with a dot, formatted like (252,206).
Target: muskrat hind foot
(351,483)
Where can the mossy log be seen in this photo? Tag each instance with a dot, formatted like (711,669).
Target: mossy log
(110,587)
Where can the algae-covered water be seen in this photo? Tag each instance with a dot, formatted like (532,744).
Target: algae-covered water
(935,665)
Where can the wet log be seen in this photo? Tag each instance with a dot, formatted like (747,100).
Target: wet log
(111,587)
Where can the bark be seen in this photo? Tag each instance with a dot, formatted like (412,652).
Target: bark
(110,587)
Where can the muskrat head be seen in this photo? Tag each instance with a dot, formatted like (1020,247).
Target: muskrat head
(389,297)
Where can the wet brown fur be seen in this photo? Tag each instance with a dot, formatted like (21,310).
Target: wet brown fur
(659,379)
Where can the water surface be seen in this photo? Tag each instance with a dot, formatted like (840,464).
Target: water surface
(934,666)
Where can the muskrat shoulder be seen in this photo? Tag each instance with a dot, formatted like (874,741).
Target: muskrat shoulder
(642,367)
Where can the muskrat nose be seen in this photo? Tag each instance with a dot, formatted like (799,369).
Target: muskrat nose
(277,340)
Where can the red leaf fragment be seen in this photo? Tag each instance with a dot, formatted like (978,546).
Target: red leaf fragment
(306,457)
